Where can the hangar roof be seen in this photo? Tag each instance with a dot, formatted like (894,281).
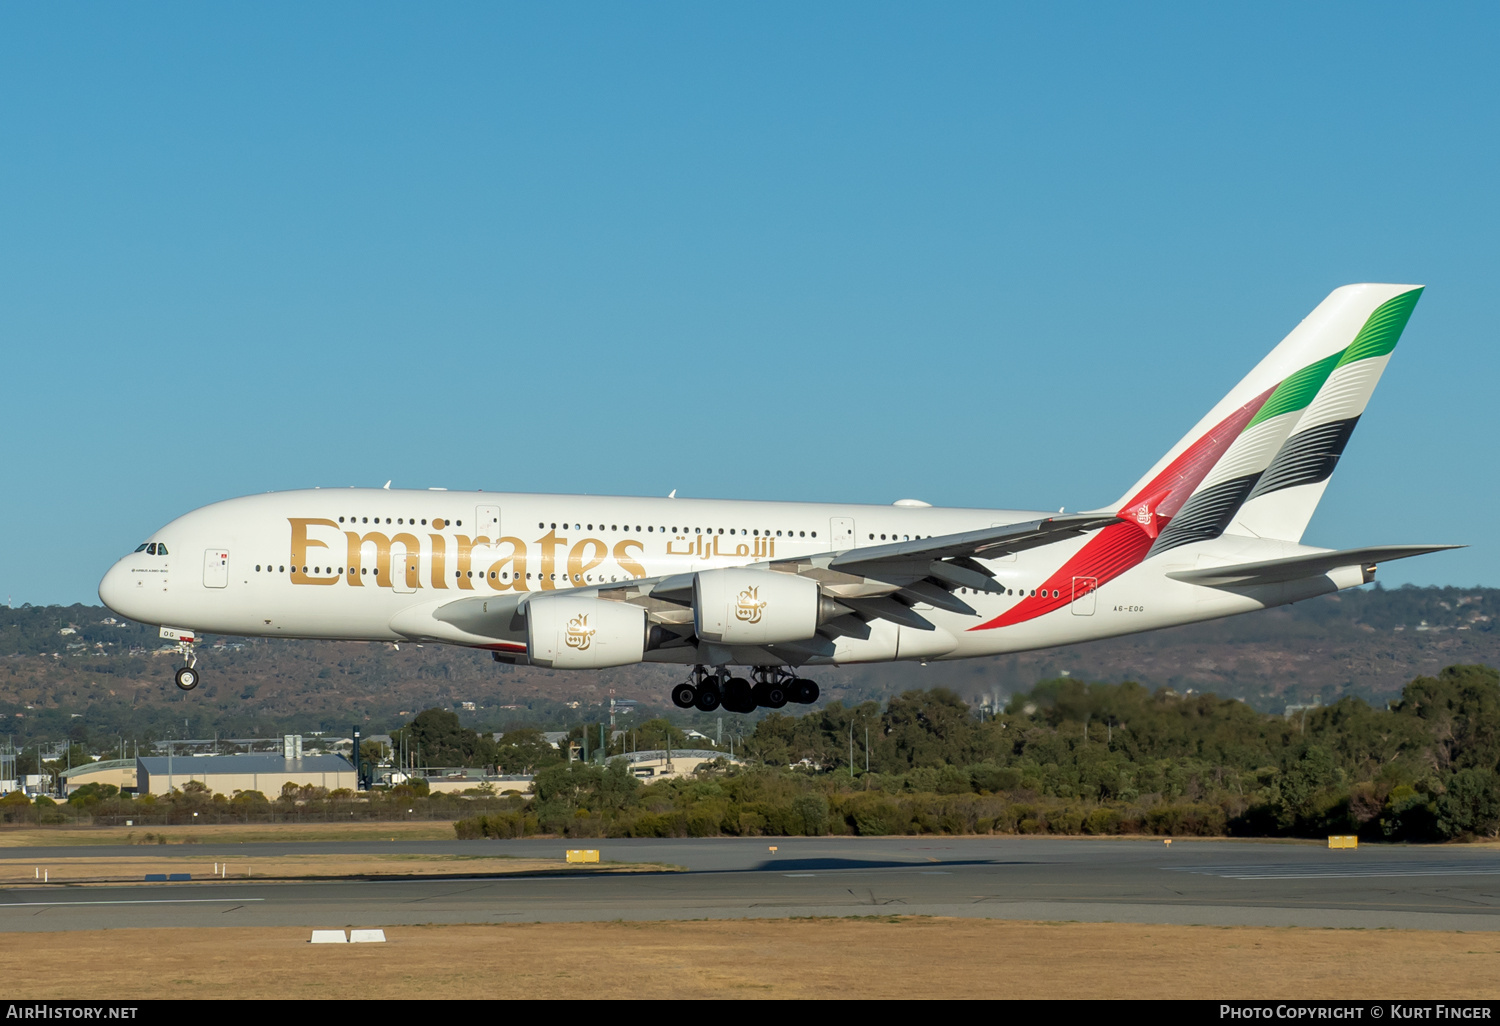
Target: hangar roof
(263,763)
(94,767)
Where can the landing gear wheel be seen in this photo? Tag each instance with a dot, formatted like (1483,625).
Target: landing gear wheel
(187,678)
(738,696)
(708,695)
(684,696)
(775,694)
(804,690)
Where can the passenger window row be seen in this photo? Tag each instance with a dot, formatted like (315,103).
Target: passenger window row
(503,575)
(651,529)
(1010,591)
(437,522)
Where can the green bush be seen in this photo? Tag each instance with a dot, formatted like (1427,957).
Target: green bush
(1471,805)
(812,810)
(1102,821)
(1067,820)
(877,817)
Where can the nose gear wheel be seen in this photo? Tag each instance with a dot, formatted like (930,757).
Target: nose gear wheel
(187,676)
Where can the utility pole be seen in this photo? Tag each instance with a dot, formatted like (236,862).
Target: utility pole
(851,749)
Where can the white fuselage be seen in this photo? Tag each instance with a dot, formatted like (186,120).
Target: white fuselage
(373,565)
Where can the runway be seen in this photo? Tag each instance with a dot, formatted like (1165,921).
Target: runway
(1206,882)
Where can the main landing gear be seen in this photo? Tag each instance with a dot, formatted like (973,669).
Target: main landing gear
(773,688)
(187,675)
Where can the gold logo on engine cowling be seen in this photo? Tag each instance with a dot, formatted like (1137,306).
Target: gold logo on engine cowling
(579,634)
(749,606)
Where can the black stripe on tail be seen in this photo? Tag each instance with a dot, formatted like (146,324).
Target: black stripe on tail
(1307,457)
(1205,515)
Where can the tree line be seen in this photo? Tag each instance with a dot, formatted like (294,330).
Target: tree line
(1065,757)
(1068,757)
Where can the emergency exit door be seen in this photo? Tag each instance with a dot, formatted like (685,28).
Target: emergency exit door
(841,531)
(487,522)
(216,568)
(1085,595)
(406,571)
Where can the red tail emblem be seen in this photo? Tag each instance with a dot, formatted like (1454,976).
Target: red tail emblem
(1145,513)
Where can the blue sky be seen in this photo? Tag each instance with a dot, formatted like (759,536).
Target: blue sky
(978,254)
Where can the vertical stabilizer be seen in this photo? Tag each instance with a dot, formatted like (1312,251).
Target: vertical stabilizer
(1286,494)
(1259,460)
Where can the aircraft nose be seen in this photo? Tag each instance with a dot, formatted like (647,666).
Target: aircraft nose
(116,591)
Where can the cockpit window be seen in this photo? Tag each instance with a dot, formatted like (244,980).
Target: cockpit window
(141,547)
(161,550)
(152,550)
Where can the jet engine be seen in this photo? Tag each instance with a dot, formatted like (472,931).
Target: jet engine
(583,633)
(737,606)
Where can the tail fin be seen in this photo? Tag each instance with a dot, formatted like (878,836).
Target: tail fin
(1260,459)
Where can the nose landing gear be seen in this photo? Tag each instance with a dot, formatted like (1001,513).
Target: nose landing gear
(187,675)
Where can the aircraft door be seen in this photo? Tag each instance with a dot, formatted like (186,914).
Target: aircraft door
(487,522)
(1085,595)
(406,571)
(216,568)
(841,530)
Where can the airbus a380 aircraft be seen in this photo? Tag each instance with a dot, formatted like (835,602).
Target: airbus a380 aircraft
(579,582)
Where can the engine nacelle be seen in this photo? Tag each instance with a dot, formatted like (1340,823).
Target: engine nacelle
(736,606)
(583,633)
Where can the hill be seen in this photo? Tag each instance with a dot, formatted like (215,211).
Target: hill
(80,670)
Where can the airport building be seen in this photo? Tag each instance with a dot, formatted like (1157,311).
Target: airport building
(457,781)
(226,774)
(119,772)
(661,764)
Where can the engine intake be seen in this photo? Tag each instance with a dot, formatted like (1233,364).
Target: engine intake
(736,606)
(582,633)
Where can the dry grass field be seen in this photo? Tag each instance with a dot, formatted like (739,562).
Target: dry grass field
(810,958)
(46,837)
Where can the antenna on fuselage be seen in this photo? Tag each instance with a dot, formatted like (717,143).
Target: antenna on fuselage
(387,485)
(672,494)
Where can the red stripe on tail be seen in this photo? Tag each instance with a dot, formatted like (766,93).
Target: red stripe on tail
(1119,547)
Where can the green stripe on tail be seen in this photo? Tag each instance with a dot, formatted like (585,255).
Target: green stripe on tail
(1383,330)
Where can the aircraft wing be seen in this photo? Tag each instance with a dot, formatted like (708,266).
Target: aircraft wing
(986,543)
(870,583)
(884,581)
(1293,568)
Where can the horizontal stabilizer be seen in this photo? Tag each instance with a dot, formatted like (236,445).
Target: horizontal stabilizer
(1295,568)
